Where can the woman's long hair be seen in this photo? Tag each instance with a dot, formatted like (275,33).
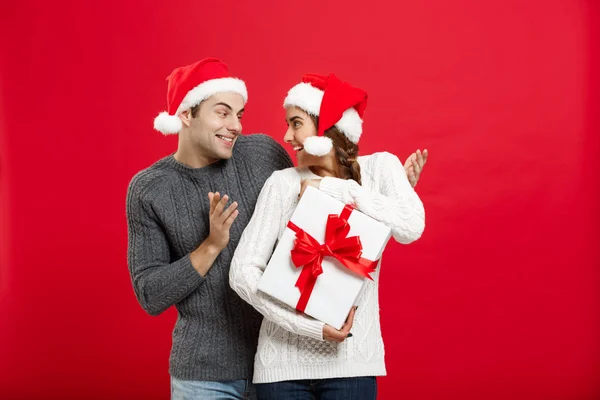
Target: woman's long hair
(346,153)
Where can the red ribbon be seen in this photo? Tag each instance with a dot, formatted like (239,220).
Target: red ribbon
(308,253)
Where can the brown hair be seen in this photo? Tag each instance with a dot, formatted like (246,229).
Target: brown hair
(346,153)
(194,110)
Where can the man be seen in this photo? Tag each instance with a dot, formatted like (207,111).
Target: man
(182,234)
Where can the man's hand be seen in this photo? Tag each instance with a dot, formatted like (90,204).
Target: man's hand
(413,166)
(332,334)
(220,220)
(205,255)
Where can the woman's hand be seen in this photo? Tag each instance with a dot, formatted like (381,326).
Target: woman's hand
(308,182)
(334,335)
(413,166)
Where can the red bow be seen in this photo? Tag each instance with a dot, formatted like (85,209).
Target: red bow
(309,253)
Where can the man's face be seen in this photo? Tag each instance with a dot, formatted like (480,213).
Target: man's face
(217,125)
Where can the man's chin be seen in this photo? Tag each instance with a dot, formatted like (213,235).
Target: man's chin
(225,154)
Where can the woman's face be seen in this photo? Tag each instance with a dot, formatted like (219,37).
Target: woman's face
(300,127)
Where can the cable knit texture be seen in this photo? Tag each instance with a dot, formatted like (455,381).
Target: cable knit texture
(216,333)
(291,345)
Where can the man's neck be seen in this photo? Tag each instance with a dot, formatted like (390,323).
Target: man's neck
(192,157)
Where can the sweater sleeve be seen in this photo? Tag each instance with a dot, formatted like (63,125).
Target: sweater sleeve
(396,204)
(251,257)
(268,153)
(158,283)
(281,158)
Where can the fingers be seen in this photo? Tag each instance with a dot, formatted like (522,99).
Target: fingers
(221,205)
(228,214)
(214,200)
(420,158)
(229,221)
(408,162)
(218,203)
(218,211)
(415,162)
(350,320)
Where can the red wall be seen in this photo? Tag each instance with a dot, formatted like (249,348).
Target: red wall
(498,300)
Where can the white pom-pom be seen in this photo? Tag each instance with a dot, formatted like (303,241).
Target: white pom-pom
(350,125)
(167,124)
(317,145)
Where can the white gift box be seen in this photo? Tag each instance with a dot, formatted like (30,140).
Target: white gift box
(337,288)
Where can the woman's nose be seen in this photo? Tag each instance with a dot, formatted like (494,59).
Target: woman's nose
(289,135)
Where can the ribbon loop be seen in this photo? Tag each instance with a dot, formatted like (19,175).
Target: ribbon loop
(308,253)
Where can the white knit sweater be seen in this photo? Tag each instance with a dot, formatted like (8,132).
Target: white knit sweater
(291,344)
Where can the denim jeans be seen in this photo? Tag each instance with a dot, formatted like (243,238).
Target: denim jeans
(358,388)
(212,390)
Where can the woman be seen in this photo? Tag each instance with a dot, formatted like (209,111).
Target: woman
(299,357)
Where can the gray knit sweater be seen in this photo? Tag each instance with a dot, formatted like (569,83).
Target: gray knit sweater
(216,332)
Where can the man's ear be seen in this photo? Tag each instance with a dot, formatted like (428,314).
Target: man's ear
(185,117)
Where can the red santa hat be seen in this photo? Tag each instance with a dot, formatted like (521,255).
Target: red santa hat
(335,103)
(188,86)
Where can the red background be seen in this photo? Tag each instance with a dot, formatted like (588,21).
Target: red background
(498,300)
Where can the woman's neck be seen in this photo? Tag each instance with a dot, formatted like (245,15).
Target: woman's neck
(322,172)
(322,166)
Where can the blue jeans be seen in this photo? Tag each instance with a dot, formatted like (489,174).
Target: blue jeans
(359,388)
(212,390)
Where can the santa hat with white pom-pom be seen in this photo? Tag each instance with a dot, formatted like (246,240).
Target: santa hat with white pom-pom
(188,86)
(335,102)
